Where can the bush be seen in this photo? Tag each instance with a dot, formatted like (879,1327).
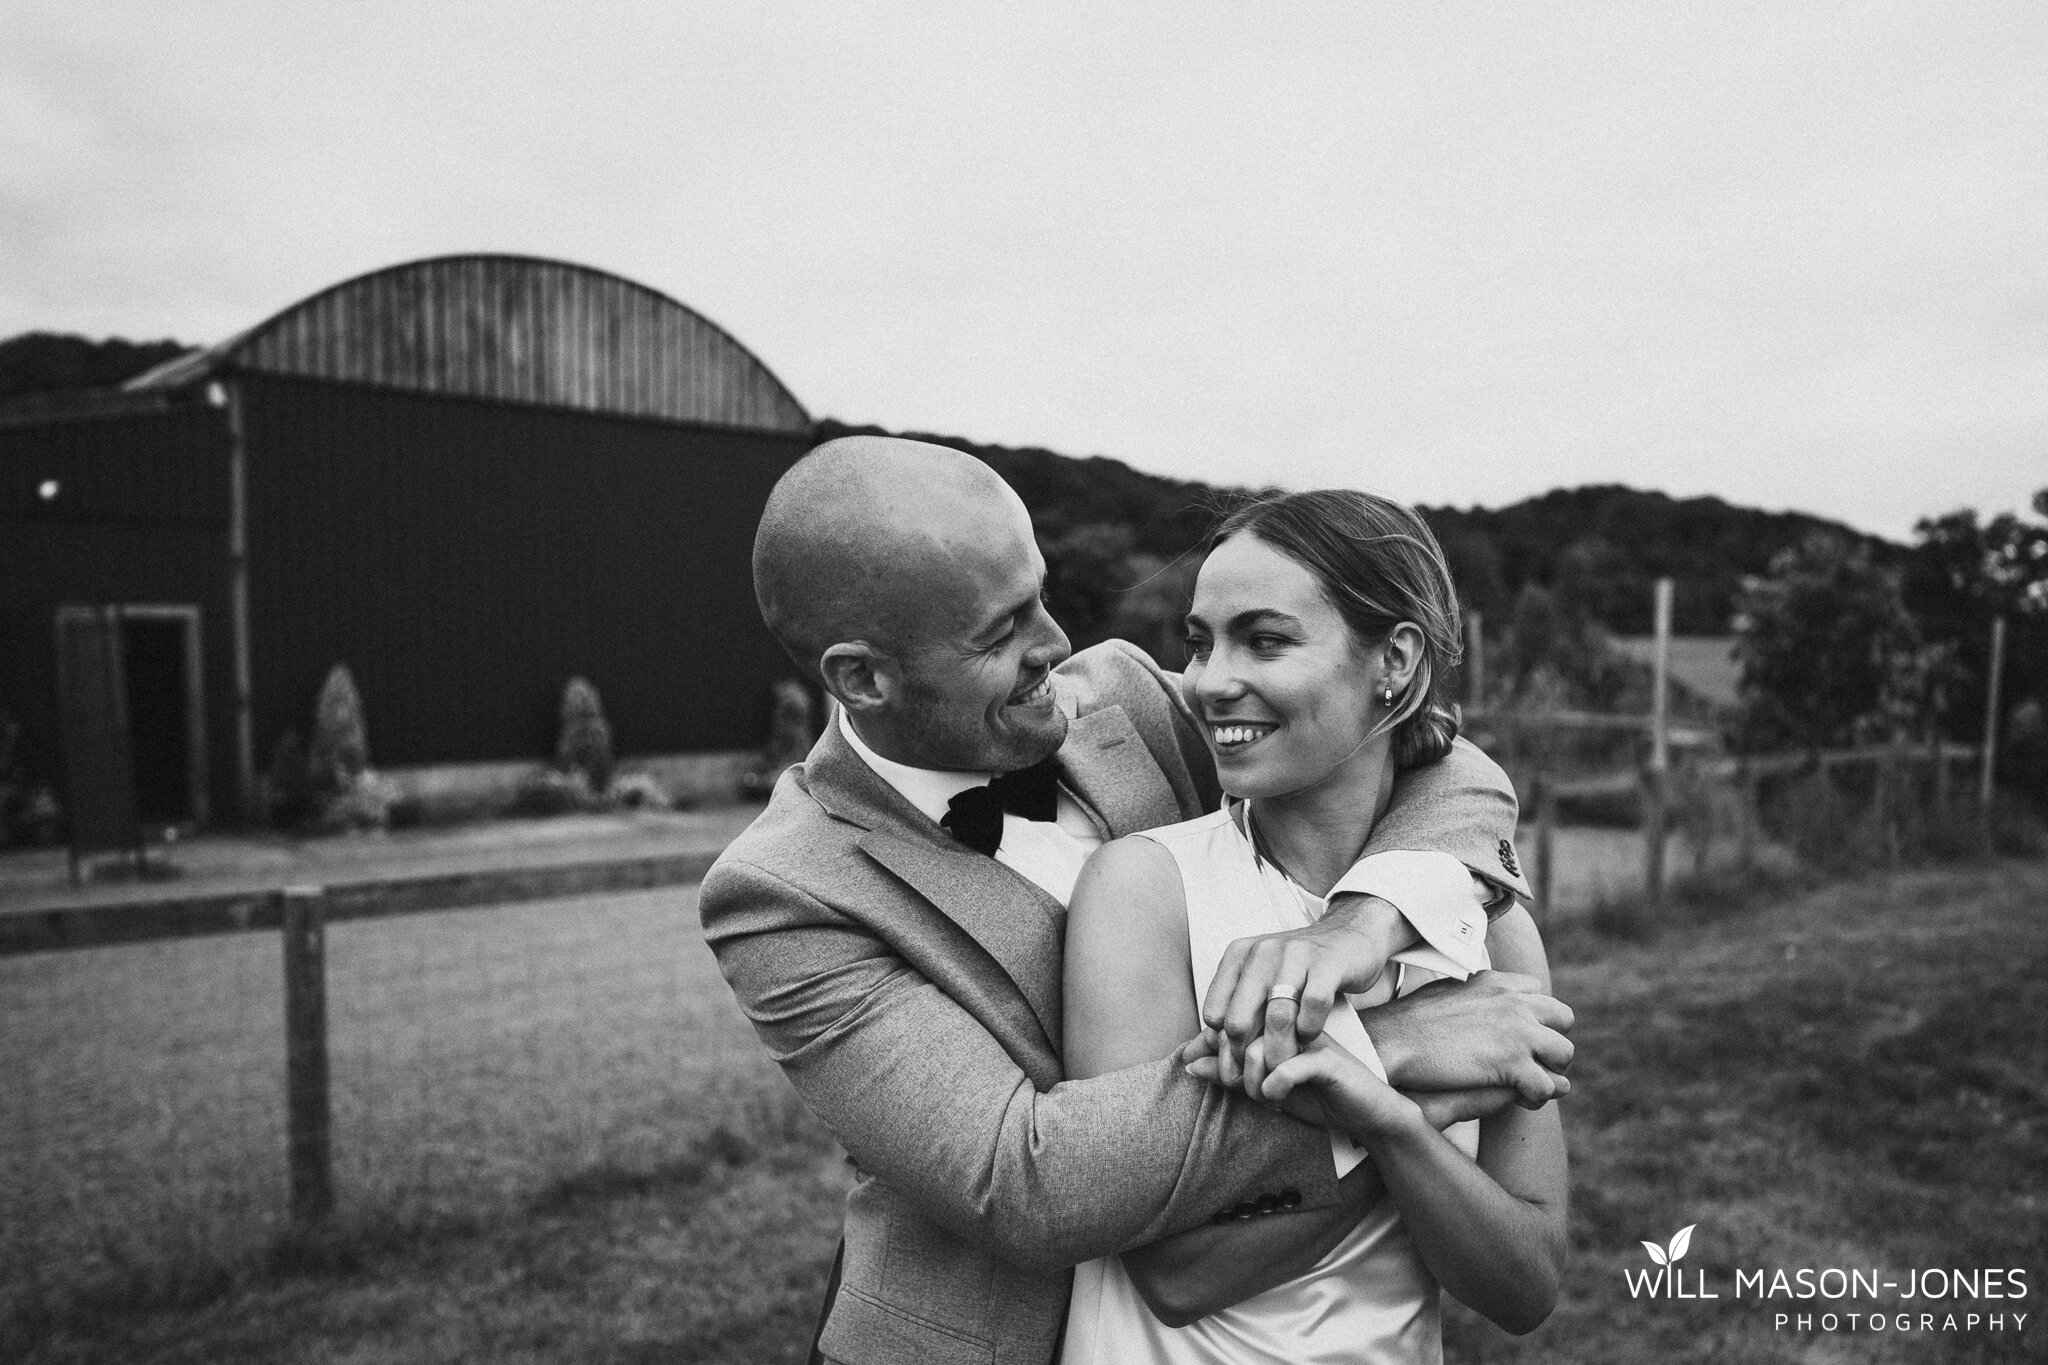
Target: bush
(2015,829)
(552,791)
(639,791)
(366,803)
(342,792)
(340,753)
(586,742)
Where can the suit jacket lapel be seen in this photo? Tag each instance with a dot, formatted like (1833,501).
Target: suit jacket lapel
(1106,763)
(1013,920)
(1006,913)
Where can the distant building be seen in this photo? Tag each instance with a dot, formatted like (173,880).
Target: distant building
(1705,664)
(468,478)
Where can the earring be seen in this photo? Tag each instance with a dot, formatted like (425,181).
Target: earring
(1388,696)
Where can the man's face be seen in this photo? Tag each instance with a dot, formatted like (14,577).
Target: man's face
(975,688)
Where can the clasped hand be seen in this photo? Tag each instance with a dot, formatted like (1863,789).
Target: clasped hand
(1479,1043)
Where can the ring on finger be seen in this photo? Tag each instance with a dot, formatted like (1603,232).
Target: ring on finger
(1283,992)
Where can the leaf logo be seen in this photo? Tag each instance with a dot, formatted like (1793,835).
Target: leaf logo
(1679,1242)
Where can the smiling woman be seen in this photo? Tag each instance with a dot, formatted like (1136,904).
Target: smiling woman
(1322,628)
(1321,636)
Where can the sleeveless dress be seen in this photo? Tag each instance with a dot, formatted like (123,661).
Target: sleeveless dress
(1370,1301)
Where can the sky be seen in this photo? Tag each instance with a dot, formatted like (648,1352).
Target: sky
(1793,255)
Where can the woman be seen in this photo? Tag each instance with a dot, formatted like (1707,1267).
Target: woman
(1321,629)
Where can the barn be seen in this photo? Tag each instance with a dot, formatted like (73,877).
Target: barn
(468,478)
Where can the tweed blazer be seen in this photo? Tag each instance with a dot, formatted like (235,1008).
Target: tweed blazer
(910,989)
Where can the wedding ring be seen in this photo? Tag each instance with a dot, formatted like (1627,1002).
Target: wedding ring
(1283,992)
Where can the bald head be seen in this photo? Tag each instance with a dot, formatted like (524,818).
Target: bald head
(877,538)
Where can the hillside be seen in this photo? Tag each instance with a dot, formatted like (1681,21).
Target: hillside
(46,362)
(1599,547)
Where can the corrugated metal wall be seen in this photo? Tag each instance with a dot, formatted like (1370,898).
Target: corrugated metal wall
(466,558)
(524,330)
(140,516)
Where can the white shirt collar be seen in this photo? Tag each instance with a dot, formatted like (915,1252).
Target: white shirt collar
(931,790)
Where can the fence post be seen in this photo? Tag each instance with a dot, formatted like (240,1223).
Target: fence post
(1990,765)
(1748,797)
(309,1115)
(1654,784)
(1546,849)
(1654,819)
(1891,784)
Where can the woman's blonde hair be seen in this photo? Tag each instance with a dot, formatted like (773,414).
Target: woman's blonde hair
(1379,565)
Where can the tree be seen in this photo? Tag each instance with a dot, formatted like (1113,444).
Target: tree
(1826,645)
(46,362)
(1540,634)
(1962,574)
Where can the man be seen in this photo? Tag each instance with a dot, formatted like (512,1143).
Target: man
(894,935)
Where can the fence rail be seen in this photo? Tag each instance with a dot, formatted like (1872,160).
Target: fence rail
(235,912)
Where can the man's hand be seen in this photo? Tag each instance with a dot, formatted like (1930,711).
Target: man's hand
(1343,952)
(1494,1030)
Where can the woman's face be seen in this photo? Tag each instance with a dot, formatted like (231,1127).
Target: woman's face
(1284,691)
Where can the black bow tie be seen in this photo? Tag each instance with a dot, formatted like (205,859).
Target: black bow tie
(975,816)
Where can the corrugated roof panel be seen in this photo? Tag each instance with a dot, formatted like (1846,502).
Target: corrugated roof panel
(516,329)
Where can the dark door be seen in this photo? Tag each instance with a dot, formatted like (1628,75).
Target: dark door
(157,670)
(99,789)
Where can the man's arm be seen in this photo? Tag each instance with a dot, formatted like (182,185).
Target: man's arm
(923,1097)
(1130,1000)
(1460,808)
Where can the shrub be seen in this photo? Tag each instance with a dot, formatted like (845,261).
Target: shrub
(552,791)
(639,791)
(367,803)
(343,793)
(340,751)
(586,741)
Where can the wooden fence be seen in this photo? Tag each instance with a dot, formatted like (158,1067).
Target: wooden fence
(1744,778)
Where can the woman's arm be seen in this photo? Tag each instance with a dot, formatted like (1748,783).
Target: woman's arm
(1492,1232)
(1130,999)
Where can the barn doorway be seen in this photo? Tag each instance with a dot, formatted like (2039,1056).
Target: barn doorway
(157,676)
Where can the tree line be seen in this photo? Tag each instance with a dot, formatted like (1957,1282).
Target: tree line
(1844,635)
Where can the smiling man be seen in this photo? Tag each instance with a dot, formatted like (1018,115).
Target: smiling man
(892,924)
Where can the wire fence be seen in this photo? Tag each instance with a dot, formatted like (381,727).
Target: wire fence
(475,1058)
(1704,812)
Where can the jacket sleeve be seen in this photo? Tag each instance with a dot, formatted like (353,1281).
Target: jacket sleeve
(1463,805)
(927,1100)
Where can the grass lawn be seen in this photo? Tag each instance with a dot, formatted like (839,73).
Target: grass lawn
(1855,1078)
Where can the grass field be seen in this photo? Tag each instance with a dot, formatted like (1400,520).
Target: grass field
(575,1151)
(479,1058)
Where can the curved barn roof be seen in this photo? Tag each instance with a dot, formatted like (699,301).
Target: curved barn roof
(512,328)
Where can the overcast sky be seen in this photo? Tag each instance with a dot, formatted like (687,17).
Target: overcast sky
(1794,255)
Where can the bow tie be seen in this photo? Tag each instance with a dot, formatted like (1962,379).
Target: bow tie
(975,816)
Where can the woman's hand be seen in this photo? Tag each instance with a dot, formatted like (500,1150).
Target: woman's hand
(1357,1102)
(1322,1084)
(1440,1108)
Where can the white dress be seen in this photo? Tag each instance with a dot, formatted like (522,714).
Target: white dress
(1370,1301)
